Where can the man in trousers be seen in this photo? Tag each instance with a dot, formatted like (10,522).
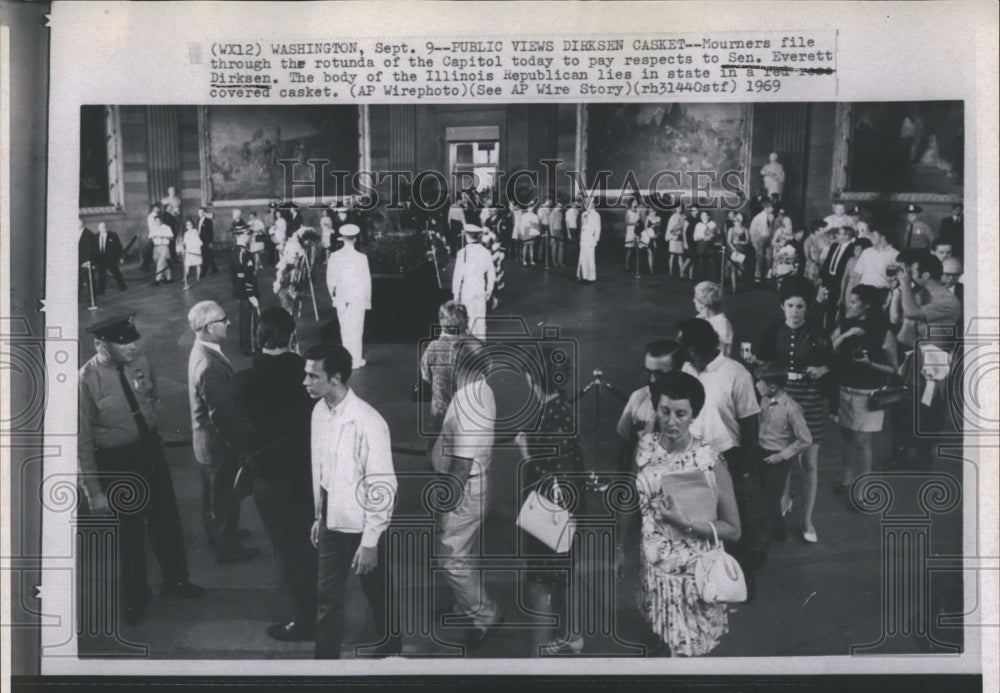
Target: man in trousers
(473,280)
(243,273)
(349,281)
(120,449)
(590,235)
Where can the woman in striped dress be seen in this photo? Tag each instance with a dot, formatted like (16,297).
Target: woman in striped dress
(802,348)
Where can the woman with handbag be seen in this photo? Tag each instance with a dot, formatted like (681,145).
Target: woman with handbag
(865,356)
(680,528)
(738,248)
(550,483)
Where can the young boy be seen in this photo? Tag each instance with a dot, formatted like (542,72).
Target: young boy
(782,435)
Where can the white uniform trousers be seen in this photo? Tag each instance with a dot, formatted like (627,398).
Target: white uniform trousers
(475,306)
(587,266)
(352,329)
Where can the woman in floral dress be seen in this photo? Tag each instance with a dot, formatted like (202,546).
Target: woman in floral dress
(671,541)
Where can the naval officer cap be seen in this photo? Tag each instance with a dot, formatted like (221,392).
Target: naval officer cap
(117,330)
(350,230)
(472,229)
(914,209)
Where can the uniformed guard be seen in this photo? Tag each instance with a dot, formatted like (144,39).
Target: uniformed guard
(121,455)
(349,281)
(473,280)
(243,271)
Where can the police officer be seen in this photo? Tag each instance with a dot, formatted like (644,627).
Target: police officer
(243,272)
(121,453)
(473,280)
(349,280)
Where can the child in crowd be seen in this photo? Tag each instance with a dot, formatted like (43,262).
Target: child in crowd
(781,436)
(192,252)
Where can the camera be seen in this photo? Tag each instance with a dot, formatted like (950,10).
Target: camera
(550,360)
(891,271)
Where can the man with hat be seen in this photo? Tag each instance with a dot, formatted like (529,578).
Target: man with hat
(952,229)
(473,279)
(918,234)
(243,273)
(218,433)
(349,280)
(121,454)
(340,218)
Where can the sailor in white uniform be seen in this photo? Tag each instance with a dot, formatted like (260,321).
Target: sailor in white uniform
(349,281)
(590,235)
(473,280)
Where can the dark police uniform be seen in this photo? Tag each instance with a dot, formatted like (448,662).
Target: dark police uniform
(243,272)
(120,451)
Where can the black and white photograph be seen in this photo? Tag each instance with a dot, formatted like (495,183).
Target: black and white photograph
(621,349)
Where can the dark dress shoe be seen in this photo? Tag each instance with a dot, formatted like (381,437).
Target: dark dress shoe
(240,554)
(291,631)
(182,589)
(479,635)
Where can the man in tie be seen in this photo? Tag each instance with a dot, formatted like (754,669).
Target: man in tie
(831,273)
(218,433)
(107,259)
(918,234)
(349,280)
(121,455)
(473,280)
(206,232)
(952,229)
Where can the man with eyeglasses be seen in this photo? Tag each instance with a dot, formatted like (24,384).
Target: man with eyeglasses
(218,433)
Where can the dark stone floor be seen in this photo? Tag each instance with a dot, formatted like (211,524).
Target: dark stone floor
(820,599)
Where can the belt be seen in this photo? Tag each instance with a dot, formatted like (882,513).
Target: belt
(796,376)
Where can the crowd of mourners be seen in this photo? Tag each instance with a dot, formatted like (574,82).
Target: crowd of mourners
(865,341)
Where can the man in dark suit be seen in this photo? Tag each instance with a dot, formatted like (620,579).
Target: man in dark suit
(831,272)
(218,433)
(107,257)
(274,402)
(85,253)
(206,232)
(243,273)
(952,229)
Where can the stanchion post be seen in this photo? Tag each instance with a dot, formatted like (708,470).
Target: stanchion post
(90,285)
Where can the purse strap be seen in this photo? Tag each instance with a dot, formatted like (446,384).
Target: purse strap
(715,535)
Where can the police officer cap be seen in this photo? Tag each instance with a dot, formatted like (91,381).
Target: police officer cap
(117,330)
(914,209)
(350,230)
(472,229)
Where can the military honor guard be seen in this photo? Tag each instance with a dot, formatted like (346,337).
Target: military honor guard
(473,279)
(121,455)
(243,272)
(349,280)
(590,235)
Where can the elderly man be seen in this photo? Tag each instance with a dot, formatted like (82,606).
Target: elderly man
(218,433)
(107,258)
(119,447)
(349,280)
(354,488)
(951,277)
(473,280)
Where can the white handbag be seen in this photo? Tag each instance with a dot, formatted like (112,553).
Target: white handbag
(548,521)
(717,575)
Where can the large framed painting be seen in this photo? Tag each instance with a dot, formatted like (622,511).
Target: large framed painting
(675,148)
(243,145)
(911,151)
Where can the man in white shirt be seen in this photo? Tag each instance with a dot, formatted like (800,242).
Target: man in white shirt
(463,453)
(572,221)
(728,423)
(349,280)
(473,280)
(760,237)
(590,236)
(354,491)
(870,269)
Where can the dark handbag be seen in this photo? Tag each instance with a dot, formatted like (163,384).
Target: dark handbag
(889,395)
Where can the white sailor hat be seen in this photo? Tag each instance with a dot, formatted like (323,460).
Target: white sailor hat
(350,230)
(472,229)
